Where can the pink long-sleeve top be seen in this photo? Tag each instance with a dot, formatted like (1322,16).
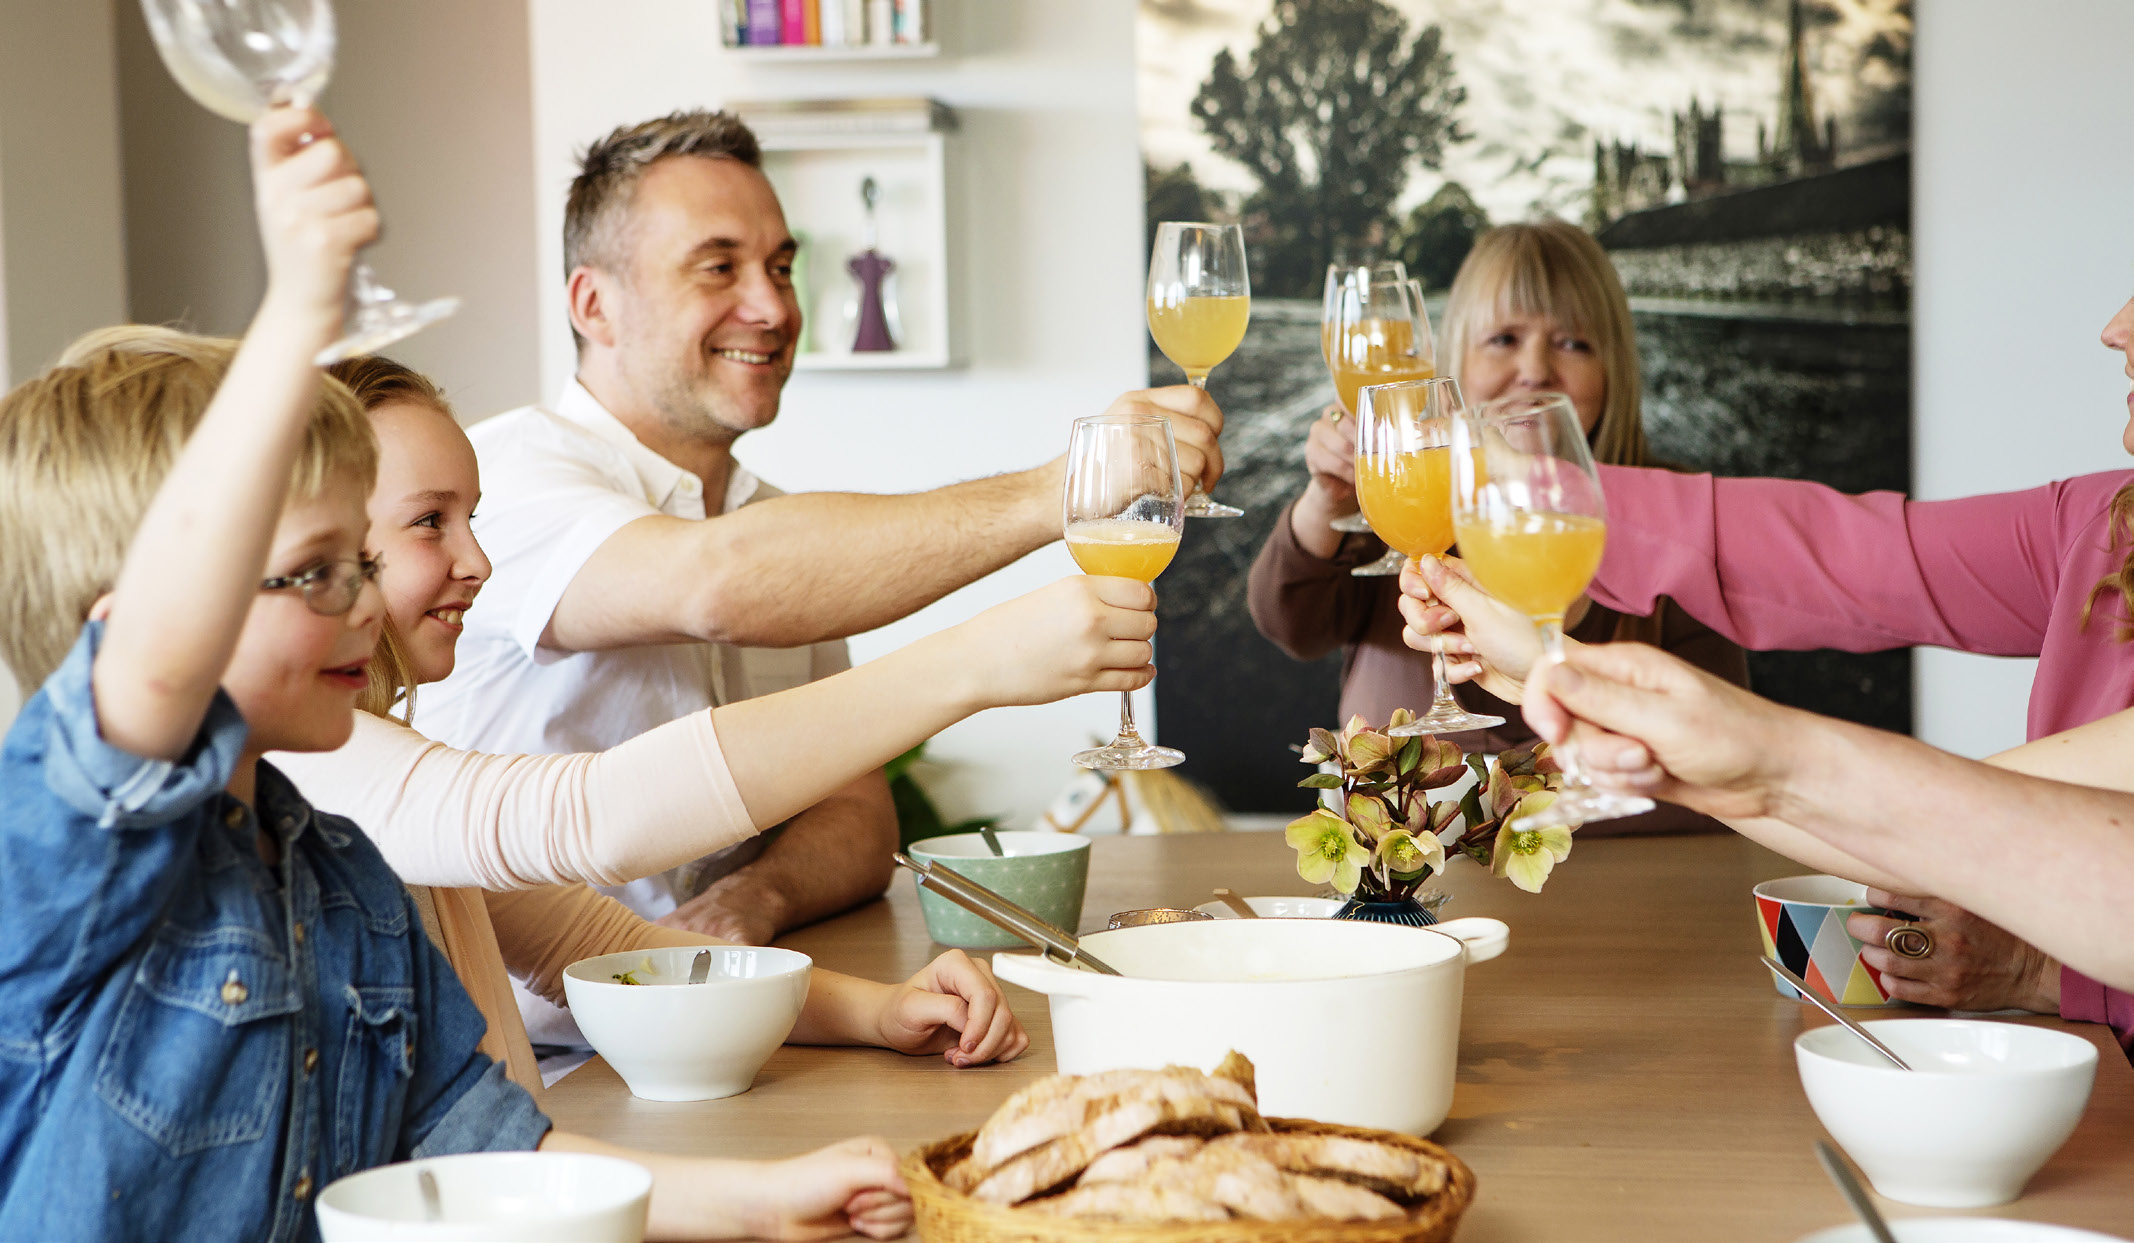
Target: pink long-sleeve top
(1785,564)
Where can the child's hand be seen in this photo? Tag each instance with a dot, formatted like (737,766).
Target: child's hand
(1081,634)
(954,1008)
(1484,640)
(849,1187)
(315,212)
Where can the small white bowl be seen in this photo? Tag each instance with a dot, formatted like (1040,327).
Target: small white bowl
(671,1040)
(492,1197)
(1278,908)
(1985,1105)
(1962,1230)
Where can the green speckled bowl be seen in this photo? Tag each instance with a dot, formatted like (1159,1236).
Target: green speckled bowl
(1045,872)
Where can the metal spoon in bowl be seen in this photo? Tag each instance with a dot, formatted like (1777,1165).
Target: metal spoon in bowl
(1855,1195)
(1230,899)
(1801,986)
(433,1208)
(700,967)
(992,842)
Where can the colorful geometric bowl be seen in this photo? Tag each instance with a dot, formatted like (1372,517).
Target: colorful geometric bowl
(1802,922)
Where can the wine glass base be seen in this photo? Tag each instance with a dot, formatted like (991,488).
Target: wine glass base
(1130,755)
(1201,505)
(1576,807)
(1351,524)
(1385,567)
(372,328)
(1445,723)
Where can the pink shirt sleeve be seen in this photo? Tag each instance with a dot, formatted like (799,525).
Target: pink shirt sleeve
(2084,1000)
(464,819)
(1786,564)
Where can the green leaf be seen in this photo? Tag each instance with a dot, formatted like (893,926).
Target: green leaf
(1322,781)
(1411,755)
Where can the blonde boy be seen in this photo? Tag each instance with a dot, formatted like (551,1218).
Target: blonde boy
(214,1000)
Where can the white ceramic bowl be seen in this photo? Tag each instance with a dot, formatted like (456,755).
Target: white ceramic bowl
(1294,995)
(492,1197)
(671,1040)
(1985,1106)
(1963,1230)
(1278,908)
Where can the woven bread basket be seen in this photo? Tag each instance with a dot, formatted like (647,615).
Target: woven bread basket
(949,1216)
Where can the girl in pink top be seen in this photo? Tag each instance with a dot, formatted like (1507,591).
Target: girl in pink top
(1771,563)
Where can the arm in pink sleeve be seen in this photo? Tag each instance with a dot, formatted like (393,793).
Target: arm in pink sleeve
(2084,1000)
(464,819)
(1786,564)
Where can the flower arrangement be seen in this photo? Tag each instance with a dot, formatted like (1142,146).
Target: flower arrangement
(1385,837)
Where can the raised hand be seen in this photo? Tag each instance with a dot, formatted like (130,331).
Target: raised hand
(1485,640)
(1196,424)
(1081,634)
(315,213)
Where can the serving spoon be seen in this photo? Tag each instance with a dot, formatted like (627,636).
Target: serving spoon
(1855,1195)
(1801,986)
(1230,899)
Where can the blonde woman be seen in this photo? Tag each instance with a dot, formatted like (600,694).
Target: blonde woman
(1535,307)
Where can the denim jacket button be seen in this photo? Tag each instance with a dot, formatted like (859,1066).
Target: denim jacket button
(235,817)
(298,933)
(311,1060)
(234,991)
(302,1190)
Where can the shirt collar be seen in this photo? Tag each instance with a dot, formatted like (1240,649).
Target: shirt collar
(662,479)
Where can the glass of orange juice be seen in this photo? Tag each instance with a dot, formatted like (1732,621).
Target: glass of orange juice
(1528,513)
(1404,483)
(1379,334)
(1123,510)
(1199,301)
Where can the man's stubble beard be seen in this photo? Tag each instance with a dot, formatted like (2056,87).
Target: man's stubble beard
(694,407)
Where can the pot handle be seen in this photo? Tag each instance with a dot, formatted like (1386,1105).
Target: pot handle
(1041,975)
(1484,938)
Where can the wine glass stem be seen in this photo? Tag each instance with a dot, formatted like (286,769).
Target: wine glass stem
(1128,734)
(1574,777)
(1196,495)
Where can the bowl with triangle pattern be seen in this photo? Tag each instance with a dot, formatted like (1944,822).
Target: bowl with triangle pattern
(1801,920)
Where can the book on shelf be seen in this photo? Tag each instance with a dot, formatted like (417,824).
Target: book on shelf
(822,23)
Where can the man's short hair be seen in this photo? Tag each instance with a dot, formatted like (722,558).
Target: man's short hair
(610,169)
(83,449)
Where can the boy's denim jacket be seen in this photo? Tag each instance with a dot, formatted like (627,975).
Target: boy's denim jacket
(192,1044)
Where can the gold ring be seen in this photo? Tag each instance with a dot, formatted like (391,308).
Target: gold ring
(1909,941)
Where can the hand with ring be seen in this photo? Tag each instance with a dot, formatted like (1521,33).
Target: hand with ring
(1946,956)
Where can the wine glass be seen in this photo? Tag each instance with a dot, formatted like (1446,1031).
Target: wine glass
(238,58)
(1123,511)
(1338,276)
(1404,483)
(1380,335)
(1199,302)
(1528,514)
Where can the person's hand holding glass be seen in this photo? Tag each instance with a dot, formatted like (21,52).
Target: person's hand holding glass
(1123,512)
(1531,525)
(1404,484)
(238,58)
(1378,334)
(1199,301)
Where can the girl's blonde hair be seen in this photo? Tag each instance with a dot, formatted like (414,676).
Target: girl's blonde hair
(83,448)
(376,381)
(1555,269)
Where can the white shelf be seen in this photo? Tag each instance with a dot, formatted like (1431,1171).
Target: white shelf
(887,360)
(795,52)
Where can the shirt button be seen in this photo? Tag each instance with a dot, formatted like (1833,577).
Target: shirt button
(234,817)
(234,991)
(302,1190)
(311,1060)
(298,933)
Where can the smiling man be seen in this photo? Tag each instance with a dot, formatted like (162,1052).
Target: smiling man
(641,573)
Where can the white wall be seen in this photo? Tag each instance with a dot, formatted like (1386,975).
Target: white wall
(1047,215)
(2023,180)
(62,248)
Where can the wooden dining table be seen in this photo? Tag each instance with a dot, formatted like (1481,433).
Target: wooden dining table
(1626,1068)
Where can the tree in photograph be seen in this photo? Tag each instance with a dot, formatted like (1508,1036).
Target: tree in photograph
(1173,194)
(1438,234)
(1335,105)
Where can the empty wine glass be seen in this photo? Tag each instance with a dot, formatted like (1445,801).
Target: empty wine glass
(238,58)
(1531,524)
(1404,483)
(1199,301)
(1123,512)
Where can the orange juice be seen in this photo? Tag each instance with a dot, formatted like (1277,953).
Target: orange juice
(1407,498)
(1122,547)
(1537,563)
(1374,351)
(1197,333)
